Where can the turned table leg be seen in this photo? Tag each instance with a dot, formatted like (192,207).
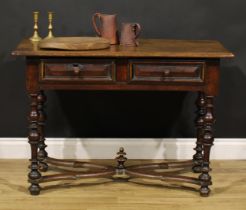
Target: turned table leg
(42,154)
(197,158)
(33,137)
(208,139)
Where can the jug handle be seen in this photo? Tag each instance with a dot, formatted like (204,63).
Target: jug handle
(94,17)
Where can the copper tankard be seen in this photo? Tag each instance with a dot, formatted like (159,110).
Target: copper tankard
(107,28)
(129,34)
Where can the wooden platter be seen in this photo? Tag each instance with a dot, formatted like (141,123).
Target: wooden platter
(74,43)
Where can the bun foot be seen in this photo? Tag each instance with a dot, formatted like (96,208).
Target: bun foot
(34,189)
(204,191)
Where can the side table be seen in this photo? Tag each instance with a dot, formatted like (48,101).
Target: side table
(156,65)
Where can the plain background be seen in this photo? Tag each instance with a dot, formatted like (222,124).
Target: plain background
(125,114)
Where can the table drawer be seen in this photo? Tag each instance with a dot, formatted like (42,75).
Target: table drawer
(173,72)
(78,70)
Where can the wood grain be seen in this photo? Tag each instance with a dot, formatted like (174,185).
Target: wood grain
(74,43)
(147,48)
(229,192)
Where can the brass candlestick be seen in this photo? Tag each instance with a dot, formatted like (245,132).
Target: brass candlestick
(50,27)
(35,37)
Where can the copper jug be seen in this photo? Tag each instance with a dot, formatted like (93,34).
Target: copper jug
(107,28)
(129,34)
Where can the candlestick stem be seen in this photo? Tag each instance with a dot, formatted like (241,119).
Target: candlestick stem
(50,26)
(35,37)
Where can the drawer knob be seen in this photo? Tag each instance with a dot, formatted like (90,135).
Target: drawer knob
(77,68)
(166,72)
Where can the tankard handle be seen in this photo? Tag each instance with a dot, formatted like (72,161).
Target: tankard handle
(138,30)
(94,22)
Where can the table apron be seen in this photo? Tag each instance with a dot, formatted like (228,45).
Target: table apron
(123,87)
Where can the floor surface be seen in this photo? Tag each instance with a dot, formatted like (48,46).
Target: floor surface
(228,192)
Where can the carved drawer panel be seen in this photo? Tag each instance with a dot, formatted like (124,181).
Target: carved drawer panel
(167,72)
(78,70)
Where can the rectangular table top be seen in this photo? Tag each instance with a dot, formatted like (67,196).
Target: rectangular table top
(153,48)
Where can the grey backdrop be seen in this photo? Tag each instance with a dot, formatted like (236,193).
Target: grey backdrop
(125,114)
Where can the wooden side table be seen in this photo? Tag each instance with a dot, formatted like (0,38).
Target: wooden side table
(156,65)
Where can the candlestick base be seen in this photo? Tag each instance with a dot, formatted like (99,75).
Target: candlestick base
(35,37)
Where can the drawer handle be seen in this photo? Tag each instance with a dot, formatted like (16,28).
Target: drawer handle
(166,72)
(77,68)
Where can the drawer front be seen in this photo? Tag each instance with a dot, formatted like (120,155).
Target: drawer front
(80,71)
(167,72)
